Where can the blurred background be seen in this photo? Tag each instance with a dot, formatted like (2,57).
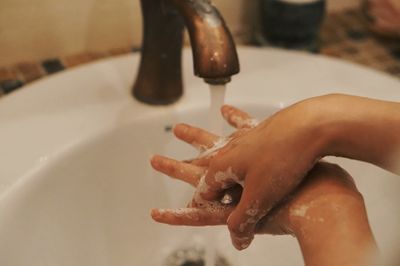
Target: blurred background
(43,37)
(36,30)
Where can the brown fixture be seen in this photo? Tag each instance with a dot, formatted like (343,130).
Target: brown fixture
(159,79)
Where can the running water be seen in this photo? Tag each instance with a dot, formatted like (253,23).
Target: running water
(217,97)
(216,123)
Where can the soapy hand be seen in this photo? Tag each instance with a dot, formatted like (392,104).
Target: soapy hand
(255,156)
(327,198)
(200,211)
(327,193)
(270,159)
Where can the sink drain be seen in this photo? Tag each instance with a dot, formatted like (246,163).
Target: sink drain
(192,256)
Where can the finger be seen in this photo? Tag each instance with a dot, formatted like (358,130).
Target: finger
(250,210)
(196,137)
(207,155)
(202,162)
(220,176)
(260,194)
(214,190)
(275,222)
(188,173)
(228,198)
(237,118)
(192,216)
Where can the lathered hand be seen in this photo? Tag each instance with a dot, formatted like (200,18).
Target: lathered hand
(315,212)
(270,160)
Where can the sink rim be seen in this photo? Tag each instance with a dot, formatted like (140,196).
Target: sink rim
(54,129)
(103,108)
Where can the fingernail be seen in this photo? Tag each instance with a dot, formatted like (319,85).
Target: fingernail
(181,126)
(155,214)
(180,129)
(225,108)
(154,161)
(242,242)
(245,245)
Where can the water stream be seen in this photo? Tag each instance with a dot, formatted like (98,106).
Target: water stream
(216,123)
(217,98)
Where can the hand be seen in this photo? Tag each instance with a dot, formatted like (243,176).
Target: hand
(249,154)
(211,184)
(326,213)
(319,196)
(271,159)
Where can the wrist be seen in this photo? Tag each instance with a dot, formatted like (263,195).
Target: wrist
(335,225)
(323,113)
(318,216)
(358,128)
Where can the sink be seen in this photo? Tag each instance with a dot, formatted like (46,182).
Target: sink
(76,187)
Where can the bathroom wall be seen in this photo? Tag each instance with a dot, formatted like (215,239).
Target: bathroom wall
(47,28)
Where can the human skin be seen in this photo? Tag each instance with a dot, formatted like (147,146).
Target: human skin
(326,213)
(328,217)
(271,159)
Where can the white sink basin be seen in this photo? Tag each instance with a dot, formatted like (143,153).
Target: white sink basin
(76,185)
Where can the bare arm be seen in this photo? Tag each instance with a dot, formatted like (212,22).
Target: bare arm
(361,128)
(328,218)
(272,158)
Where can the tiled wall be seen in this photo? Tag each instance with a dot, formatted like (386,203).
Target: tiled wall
(36,30)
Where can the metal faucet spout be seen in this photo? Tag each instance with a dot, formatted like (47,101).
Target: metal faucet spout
(214,52)
(215,59)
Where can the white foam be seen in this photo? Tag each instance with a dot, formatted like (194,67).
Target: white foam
(202,187)
(227,199)
(188,213)
(240,122)
(300,211)
(223,176)
(220,143)
(249,221)
(254,210)
(254,213)
(245,245)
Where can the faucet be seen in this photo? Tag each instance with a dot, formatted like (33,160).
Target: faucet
(215,59)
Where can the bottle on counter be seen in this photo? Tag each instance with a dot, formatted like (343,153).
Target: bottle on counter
(292,24)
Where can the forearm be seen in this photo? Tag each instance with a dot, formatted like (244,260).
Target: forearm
(337,234)
(362,129)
